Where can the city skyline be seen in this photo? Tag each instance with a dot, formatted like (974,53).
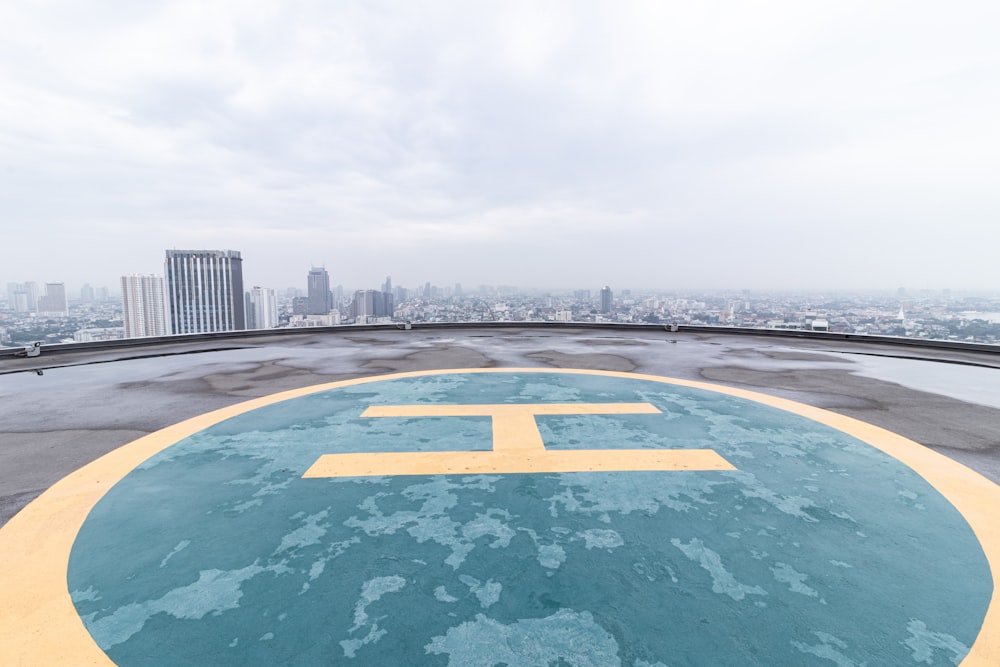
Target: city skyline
(113,290)
(819,145)
(939,315)
(203,291)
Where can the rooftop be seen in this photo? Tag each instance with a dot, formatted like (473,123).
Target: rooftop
(601,495)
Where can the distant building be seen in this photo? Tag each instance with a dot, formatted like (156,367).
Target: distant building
(144,306)
(22,297)
(205,291)
(363,305)
(370,304)
(87,293)
(333,319)
(385,305)
(320,298)
(607,299)
(53,302)
(262,308)
(106,333)
(338,297)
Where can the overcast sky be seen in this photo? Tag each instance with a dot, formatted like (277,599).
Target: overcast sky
(661,144)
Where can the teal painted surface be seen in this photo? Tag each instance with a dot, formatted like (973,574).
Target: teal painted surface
(818,550)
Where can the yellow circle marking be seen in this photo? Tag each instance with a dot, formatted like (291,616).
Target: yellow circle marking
(39,624)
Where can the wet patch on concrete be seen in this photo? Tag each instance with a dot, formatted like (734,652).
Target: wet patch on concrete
(440,356)
(31,462)
(268,377)
(826,382)
(370,340)
(606,362)
(614,341)
(811,357)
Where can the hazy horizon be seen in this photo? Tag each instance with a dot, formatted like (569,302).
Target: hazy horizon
(824,146)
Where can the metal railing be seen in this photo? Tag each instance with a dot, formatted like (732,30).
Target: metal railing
(235,336)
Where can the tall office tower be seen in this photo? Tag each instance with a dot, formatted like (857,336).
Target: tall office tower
(262,308)
(87,293)
(363,305)
(54,300)
(205,291)
(320,299)
(387,285)
(144,306)
(384,305)
(607,299)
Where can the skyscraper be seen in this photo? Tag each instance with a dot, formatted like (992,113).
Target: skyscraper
(607,299)
(53,302)
(364,304)
(205,291)
(144,308)
(22,297)
(320,299)
(262,311)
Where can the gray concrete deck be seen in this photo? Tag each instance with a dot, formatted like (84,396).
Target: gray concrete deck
(90,402)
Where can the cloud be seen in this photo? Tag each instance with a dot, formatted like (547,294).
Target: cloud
(562,144)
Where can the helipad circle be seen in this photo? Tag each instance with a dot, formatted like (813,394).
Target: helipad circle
(528,517)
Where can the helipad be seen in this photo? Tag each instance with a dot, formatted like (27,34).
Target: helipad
(509,516)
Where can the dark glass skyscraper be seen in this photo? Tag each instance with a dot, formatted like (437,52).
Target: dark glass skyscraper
(320,299)
(607,299)
(205,291)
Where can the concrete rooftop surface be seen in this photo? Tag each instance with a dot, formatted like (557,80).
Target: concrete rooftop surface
(501,496)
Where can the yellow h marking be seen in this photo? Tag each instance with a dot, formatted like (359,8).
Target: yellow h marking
(517,446)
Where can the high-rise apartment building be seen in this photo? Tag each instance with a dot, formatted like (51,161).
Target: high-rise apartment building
(144,306)
(363,305)
(53,302)
(262,308)
(607,299)
(205,291)
(320,298)
(22,297)
(371,304)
